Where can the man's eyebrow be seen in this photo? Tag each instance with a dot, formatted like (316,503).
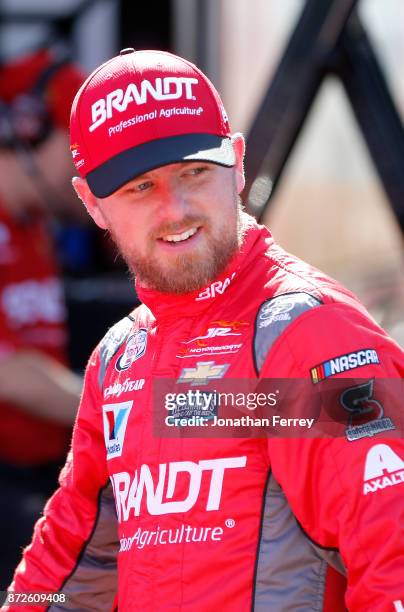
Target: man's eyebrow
(140,177)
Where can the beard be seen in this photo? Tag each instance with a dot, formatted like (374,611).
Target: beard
(185,273)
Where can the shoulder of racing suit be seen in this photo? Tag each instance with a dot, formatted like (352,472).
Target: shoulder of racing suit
(117,335)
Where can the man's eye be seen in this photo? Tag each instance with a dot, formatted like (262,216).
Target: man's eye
(136,187)
(197,170)
(143,186)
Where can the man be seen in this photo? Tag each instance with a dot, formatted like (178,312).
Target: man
(197,523)
(38,393)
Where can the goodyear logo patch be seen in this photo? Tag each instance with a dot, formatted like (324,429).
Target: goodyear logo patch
(343,363)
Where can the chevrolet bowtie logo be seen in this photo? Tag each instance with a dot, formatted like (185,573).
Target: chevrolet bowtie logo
(204,371)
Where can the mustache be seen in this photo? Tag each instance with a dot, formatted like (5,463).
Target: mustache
(175,227)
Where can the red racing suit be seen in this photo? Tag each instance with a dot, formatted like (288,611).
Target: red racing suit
(236,523)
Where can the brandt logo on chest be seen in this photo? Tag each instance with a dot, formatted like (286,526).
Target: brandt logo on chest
(215,288)
(160,490)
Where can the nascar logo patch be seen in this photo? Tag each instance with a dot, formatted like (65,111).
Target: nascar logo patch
(343,363)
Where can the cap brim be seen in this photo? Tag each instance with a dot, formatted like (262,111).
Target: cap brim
(125,166)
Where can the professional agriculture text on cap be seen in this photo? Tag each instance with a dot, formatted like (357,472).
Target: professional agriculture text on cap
(142,110)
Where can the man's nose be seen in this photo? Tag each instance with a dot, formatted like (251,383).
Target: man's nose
(173,205)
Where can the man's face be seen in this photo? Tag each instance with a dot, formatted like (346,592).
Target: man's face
(177,226)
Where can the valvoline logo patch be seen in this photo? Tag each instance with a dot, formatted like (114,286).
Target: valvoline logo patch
(115,417)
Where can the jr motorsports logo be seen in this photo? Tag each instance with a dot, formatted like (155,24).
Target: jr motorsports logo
(117,101)
(383,468)
(135,348)
(221,332)
(366,414)
(115,417)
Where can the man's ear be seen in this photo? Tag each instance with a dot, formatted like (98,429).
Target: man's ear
(89,200)
(239,150)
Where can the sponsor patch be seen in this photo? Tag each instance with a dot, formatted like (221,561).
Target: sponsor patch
(115,418)
(343,363)
(128,385)
(199,346)
(276,310)
(203,372)
(366,414)
(383,468)
(209,351)
(135,348)
(176,535)
(117,101)
(216,288)
(163,492)
(214,332)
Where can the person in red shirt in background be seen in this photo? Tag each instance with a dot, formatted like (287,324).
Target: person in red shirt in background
(38,393)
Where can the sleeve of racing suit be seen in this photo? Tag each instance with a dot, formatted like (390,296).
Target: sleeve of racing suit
(74,547)
(347,495)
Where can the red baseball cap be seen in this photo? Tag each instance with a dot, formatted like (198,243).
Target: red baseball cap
(142,110)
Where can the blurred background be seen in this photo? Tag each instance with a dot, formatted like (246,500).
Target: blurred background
(330,206)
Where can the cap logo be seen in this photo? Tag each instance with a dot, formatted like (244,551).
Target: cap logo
(167,88)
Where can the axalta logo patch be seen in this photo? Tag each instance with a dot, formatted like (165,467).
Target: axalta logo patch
(115,418)
(343,363)
(216,288)
(117,101)
(383,468)
(158,492)
(135,348)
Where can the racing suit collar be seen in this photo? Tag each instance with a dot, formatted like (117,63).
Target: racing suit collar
(257,238)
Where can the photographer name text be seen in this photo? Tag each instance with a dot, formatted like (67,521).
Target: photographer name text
(275,420)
